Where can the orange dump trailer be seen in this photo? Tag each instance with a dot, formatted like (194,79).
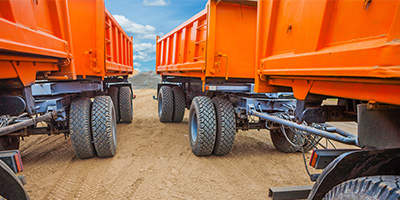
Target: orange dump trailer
(271,64)
(61,40)
(347,49)
(206,45)
(64,63)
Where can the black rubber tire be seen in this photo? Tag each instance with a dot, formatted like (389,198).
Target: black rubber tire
(179,104)
(367,188)
(280,142)
(104,126)
(113,92)
(80,128)
(226,126)
(9,143)
(202,126)
(165,104)
(125,104)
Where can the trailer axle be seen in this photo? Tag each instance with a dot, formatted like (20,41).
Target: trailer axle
(20,125)
(343,137)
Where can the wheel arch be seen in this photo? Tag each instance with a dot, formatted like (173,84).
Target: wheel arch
(355,164)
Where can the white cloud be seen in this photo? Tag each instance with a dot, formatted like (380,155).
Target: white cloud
(138,30)
(145,47)
(156,2)
(136,64)
(141,56)
(148,37)
(143,51)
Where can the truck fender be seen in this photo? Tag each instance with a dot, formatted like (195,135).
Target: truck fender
(355,164)
(10,185)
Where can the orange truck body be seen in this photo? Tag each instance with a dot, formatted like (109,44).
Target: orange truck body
(347,49)
(342,48)
(217,42)
(61,40)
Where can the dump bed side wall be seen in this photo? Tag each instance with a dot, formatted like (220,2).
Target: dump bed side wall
(33,37)
(88,33)
(31,27)
(217,42)
(348,49)
(176,51)
(235,37)
(119,48)
(99,45)
(60,39)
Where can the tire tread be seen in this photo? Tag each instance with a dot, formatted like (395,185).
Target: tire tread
(102,126)
(226,126)
(125,104)
(113,92)
(370,187)
(80,128)
(167,98)
(207,126)
(179,104)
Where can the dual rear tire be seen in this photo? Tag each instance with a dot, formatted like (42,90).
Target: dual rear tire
(212,126)
(171,104)
(212,123)
(93,127)
(122,100)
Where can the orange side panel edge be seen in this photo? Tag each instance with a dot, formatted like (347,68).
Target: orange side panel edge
(344,48)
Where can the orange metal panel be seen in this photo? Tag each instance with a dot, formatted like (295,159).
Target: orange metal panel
(327,42)
(217,42)
(63,38)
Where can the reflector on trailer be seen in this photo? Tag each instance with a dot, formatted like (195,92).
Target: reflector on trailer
(13,160)
(321,158)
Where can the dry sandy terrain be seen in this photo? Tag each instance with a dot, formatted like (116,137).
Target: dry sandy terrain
(154,161)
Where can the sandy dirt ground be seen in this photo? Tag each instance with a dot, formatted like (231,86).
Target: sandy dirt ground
(154,161)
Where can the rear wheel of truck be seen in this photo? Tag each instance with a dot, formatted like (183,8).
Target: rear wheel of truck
(125,104)
(113,92)
(80,128)
(202,126)
(179,104)
(9,143)
(299,141)
(165,104)
(368,188)
(281,143)
(104,126)
(226,126)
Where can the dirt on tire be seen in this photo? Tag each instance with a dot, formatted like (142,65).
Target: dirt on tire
(155,161)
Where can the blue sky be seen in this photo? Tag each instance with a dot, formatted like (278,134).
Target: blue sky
(145,19)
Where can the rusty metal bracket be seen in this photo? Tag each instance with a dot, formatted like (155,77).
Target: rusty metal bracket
(93,61)
(217,65)
(373,105)
(366,4)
